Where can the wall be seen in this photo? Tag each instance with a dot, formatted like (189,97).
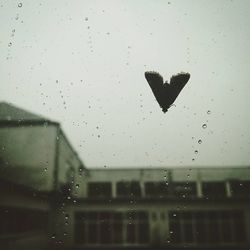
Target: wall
(28,155)
(68,163)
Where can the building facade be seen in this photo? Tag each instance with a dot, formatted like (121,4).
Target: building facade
(49,200)
(204,208)
(37,170)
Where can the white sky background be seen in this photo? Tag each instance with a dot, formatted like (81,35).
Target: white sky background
(98,52)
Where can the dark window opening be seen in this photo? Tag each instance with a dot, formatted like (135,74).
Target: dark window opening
(128,189)
(214,189)
(156,189)
(107,228)
(240,188)
(99,190)
(204,227)
(184,189)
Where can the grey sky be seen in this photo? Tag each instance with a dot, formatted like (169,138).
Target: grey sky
(82,63)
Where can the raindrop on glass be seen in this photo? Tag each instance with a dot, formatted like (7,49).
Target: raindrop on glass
(200,141)
(204,125)
(196,151)
(20,5)
(208,112)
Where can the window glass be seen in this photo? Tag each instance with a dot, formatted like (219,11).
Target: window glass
(99,189)
(204,227)
(107,228)
(213,189)
(156,189)
(240,188)
(128,189)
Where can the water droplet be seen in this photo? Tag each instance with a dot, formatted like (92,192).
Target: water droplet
(204,125)
(77,185)
(45,169)
(10,44)
(86,18)
(200,141)
(196,151)
(208,112)
(20,5)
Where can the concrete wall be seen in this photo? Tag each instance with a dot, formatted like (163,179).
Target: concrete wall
(28,155)
(68,163)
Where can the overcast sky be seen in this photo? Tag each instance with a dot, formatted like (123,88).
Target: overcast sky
(82,63)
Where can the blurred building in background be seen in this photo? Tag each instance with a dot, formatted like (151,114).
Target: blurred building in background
(204,208)
(50,200)
(37,171)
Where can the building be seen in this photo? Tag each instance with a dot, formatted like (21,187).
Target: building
(49,200)
(191,208)
(37,171)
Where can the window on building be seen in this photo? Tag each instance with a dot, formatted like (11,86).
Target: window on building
(105,228)
(156,189)
(137,227)
(205,227)
(128,189)
(184,189)
(213,189)
(99,189)
(240,188)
